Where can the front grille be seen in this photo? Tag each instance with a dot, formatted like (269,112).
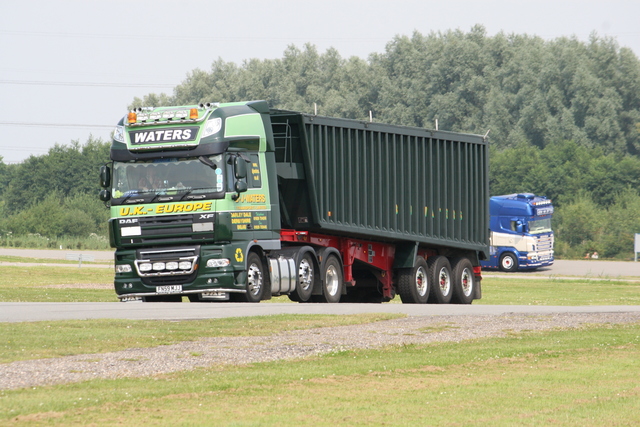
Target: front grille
(168,229)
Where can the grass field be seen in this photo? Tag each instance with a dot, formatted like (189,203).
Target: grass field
(587,376)
(87,284)
(575,378)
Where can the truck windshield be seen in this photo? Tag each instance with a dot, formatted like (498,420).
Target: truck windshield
(540,226)
(168,177)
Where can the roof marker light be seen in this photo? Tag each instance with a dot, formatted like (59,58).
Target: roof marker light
(132,117)
(193,114)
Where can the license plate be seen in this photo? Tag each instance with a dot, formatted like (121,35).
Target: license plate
(171,289)
(217,295)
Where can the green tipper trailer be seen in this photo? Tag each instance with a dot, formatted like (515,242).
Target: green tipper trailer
(252,202)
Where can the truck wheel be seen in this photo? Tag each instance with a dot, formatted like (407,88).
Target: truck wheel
(255,279)
(464,281)
(508,262)
(441,283)
(306,279)
(413,283)
(331,281)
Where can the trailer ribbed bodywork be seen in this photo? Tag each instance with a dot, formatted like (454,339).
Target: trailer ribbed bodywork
(382,182)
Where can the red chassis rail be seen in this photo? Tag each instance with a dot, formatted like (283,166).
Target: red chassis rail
(380,256)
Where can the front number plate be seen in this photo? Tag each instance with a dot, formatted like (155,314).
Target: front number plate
(171,289)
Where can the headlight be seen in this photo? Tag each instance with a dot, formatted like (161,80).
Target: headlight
(218,262)
(158,266)
(185,265)
(212,127)
(172,265)
(118,133)
(123,268)
(145,267)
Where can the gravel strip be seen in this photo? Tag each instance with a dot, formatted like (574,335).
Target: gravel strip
(209,352)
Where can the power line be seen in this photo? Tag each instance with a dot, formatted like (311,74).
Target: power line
(57,125)
(92,84)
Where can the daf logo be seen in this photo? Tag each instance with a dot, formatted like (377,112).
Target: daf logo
(206,216)
(128,221)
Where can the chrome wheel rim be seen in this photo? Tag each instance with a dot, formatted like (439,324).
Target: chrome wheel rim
(444,281)
(421,282)
(305,274)
(254,280)
(467,282)
(331,280)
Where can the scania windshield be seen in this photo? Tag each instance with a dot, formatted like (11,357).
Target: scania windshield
(540,226)
(175,178)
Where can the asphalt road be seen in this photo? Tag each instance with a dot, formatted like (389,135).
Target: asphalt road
(31,312)
(20,312)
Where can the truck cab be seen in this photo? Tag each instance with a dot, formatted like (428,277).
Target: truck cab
(521,237)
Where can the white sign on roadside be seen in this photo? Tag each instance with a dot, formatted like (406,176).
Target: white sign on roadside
(636,247)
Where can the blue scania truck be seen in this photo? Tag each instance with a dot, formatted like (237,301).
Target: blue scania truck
(521,237)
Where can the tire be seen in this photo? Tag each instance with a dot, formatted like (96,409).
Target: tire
(413,283)
(306,279)
(508,262)
(255,279)
(331,281)
(464,281)
(441,280)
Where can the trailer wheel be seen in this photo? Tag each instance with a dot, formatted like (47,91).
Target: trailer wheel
(255,279)
(331,281)
(413,283)
(306,279)
(508,262)
(464,281)
(441,283)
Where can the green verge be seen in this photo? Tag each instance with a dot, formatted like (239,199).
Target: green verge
(550,291)
(86,284)
(38,340)
(578,377)
(56,284)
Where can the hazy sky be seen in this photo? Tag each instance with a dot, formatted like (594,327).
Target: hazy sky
(68,69)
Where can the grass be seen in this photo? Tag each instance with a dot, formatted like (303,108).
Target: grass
(574,377)
(86,284)
(38,340)
(574,292)
(56,284)
(19,259)
(586,376)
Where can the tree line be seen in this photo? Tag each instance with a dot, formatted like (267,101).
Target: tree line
(563,118)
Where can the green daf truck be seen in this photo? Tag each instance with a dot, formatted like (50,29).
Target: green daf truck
(240,202)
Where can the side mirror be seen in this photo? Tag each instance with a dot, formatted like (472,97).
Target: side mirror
(105,176)
(240,167)
(105,195)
